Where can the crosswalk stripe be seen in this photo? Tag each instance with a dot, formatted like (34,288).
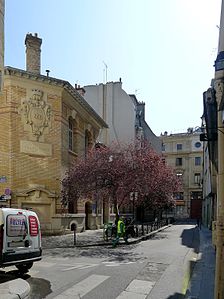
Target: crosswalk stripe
(115,264)
(83,287)
(140,286)
(137,289)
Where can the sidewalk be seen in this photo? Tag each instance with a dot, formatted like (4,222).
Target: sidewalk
(89,238)
(201,284)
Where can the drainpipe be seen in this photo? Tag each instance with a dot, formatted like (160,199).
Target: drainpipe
(219,88)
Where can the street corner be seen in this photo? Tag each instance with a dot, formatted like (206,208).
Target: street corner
(15,289)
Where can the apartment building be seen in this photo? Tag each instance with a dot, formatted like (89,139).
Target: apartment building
(184,152)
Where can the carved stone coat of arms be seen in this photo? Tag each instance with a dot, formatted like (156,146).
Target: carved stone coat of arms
(36,113)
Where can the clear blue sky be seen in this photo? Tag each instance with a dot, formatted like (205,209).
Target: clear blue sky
(163,50)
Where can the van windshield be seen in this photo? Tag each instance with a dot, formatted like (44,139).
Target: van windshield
(16,225)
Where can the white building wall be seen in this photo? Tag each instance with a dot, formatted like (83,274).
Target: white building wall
(116,107)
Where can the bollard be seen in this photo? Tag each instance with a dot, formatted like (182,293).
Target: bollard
(143,230)
(136,230)
(75,236)
(73,228)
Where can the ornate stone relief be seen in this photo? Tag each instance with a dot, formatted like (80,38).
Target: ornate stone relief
(36,114)
(74,113)
(89,127)
(219,89)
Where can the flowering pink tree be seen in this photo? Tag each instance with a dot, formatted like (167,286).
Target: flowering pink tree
(113,173)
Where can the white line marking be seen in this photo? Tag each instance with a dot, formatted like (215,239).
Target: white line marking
(115,264)
(87,266)
(83,287)
(80,267)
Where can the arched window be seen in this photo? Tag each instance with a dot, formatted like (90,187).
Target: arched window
(87,141)
(70,134)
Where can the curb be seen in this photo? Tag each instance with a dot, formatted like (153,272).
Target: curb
(193,259)
(15,289)
(135,241)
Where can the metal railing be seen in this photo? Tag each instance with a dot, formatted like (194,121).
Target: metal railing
(134,229)
(145,228)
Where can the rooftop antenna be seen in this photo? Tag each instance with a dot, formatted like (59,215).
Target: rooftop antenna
(136,92)
(105,72)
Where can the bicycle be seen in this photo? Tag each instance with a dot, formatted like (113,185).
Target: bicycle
(109,231)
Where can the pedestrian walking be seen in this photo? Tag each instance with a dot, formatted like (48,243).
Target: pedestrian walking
(120,232)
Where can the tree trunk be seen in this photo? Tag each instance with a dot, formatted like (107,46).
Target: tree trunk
(115,206)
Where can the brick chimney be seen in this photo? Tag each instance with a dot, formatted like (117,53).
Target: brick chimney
(33,43)
(80,90)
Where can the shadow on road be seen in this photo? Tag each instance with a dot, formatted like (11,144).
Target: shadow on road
(39,288)
(190,238)
(121,253)
(161,235)
(203,270)
(176,296)
(11,275)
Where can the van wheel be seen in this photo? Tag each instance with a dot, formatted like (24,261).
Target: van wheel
(24,268)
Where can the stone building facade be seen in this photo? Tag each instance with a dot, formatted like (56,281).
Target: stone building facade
(2,13)
(184,152)
(45,125)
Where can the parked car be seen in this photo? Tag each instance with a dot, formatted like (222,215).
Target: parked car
(20,238)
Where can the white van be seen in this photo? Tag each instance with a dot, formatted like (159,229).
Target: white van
(20,238)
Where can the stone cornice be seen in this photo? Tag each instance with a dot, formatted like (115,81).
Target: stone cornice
(25,193)
(56,82)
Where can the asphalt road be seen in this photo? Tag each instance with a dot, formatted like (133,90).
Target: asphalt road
(152,269)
